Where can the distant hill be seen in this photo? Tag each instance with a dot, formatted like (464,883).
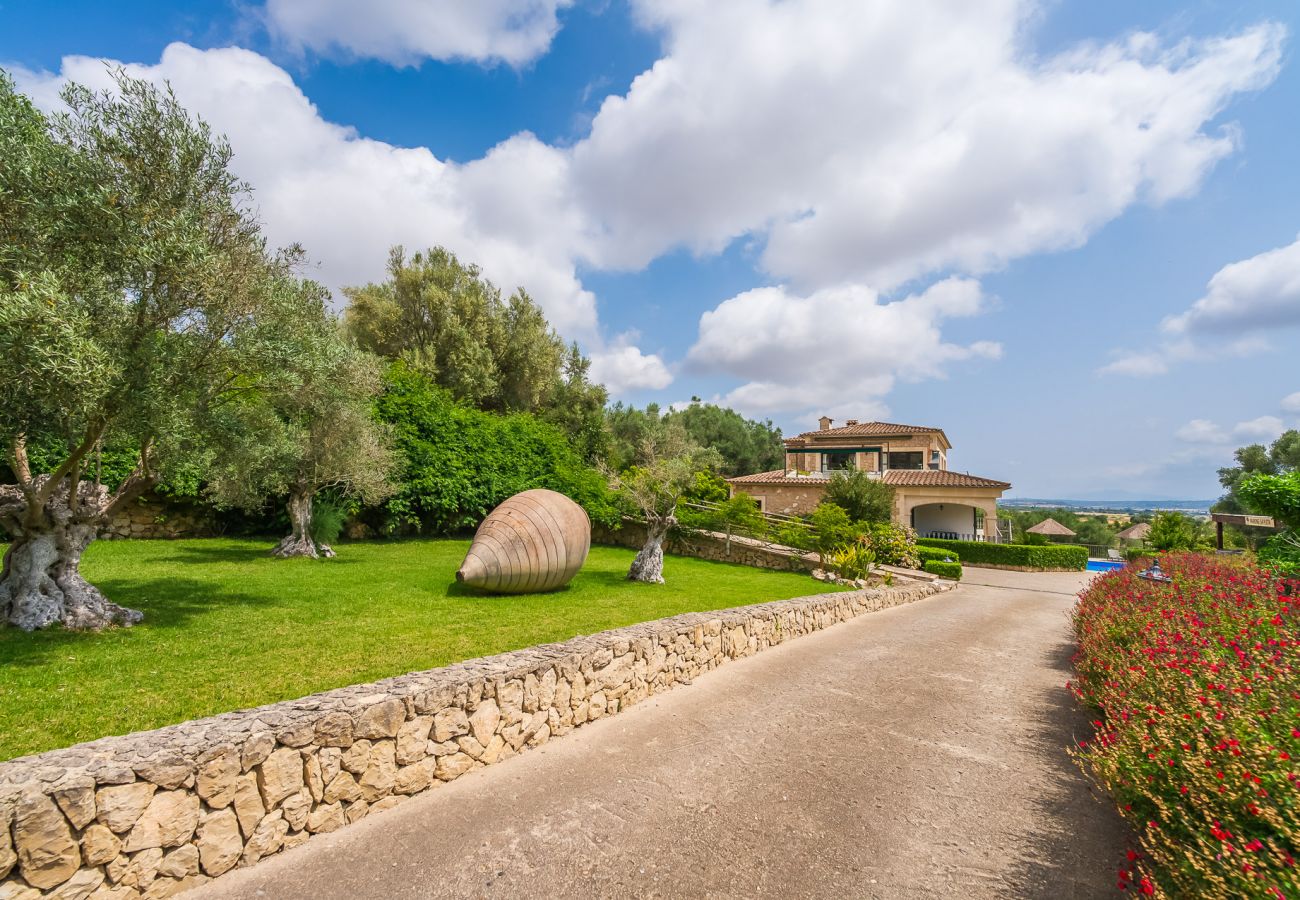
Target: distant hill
(1201,506)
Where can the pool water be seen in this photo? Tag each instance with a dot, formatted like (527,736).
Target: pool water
(1104,565)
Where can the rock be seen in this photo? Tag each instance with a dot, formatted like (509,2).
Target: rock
(296,839)
(218,774)
(219,843)
(77,800)
(12,890)
(256,749)
(328,817)
(180,862)
(381,720)
(483,723)
(312,775)
(454,766)
(596,706)
(446,748)
(299,735)
(168,769)
(357,757)
(563,694)
(450,723)
(79,886)
(7,855)
(467,744)
(118,867)
(280,775)
(492,752)
(510,698)
(386,803)
(412,740)
(530,693)
(546,689)
(296,809)
(99,845)
(414,778)
(169,821)
(268,838)
(248,803)
(377,781)
(47,853)
(143,868)
(334,730)
(331,763)
(342,787)
(355,812)
(119,806)
(120,892)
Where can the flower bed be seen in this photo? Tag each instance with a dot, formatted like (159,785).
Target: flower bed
(1197,734)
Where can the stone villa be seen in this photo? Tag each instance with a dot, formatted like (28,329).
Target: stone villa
(911,458)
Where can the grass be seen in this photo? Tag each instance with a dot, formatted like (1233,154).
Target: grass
(227,627)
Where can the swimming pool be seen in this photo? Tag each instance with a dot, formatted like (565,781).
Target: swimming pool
(1104,565)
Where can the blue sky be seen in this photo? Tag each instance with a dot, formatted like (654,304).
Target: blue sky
(1012,221)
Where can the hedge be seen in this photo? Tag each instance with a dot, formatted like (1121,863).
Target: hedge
(950,570)
(938,554)
(1064,557)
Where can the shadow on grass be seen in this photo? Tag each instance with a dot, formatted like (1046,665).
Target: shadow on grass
(1082,848)
(167,603)
(209,555)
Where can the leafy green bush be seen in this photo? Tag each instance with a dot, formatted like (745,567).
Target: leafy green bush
(1281,553)
(1055,556)
(854,561)
(893,545)
(790,534)
(459,463)
(937,554)
(864,498)
(833,531)
(1133,554)
(951,570)
(327,519)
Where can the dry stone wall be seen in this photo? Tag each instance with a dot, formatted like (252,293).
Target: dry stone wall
(707,545)
(158,812)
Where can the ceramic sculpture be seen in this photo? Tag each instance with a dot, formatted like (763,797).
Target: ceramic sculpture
(534,541)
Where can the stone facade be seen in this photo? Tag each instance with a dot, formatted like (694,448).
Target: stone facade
(152,518)
(155,813)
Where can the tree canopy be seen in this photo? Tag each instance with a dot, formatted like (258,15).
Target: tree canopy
(744,446)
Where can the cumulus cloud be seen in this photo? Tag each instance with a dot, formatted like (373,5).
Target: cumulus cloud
(1291,402)
(805,352)
(1255,294)
(1164,354)
(878,141)
(347,198)
(622,368)
(405,32)
(1203,431)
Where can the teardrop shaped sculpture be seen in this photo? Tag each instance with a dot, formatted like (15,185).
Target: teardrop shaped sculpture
(534,541)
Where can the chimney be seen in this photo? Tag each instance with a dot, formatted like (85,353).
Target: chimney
(825,422)
(850,421)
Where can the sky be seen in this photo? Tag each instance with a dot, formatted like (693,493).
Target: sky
(1067,233)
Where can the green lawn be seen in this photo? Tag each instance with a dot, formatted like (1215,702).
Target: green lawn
(228,627)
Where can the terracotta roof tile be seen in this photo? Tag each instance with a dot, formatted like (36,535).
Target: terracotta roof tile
(939,478)
(775,477)
(870,429)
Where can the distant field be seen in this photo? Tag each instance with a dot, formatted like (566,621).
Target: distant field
(227,627)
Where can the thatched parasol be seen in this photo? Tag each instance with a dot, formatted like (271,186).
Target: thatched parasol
(1051,528)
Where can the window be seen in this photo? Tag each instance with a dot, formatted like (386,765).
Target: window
(934,459)
(912,459)
(838,460)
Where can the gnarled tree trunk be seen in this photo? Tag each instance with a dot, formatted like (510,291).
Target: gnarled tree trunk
(300,542)
(40,581)
(649,563)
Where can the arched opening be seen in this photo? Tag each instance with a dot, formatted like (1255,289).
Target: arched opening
(952,521)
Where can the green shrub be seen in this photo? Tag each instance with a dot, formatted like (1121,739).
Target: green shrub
(937,554)
(327,518)
(893,545)
(799,537)
(951,570)
(864,498)
(1069,557)
(459,463)
(833,530)
(1281,553)
(854,561)
(1133,554)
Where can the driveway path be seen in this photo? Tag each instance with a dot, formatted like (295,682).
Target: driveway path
(915,752)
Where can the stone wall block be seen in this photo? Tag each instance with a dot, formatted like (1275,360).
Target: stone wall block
(342,787)
(377,780)
(297,736)
(328,817)
(483,723)
(357,757)
(381,720)
(451,767)
(143,868)
(413,739)
(267,838)
(119,806)
(256,749)
(449,724)
(7,855)
(248,803)
(168,769)
(510,700)
(168,821)
(311,774)
(279,776)
(414,778)
(180,862)
(529,702)
(334,730)
(296,808)
(99,845)
(79,886)
(47,853)
(219,842)
(331,763)
(217,775)
(76,797)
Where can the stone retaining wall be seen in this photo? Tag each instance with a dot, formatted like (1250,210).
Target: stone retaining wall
(706,545)
(157,812)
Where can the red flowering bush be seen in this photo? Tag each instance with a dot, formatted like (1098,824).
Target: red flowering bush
(1196,690)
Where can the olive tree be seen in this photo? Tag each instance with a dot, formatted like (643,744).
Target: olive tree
(137,299)
(315,429)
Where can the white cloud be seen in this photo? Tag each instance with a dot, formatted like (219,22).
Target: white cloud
(1262,428)
(347,198)
(622,367)
(1255,294)
(1291,402)
(880,141)
(1202,431)
(405,32)
(1164,354)
(837,350)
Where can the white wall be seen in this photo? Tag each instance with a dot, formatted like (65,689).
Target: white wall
(945,517)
